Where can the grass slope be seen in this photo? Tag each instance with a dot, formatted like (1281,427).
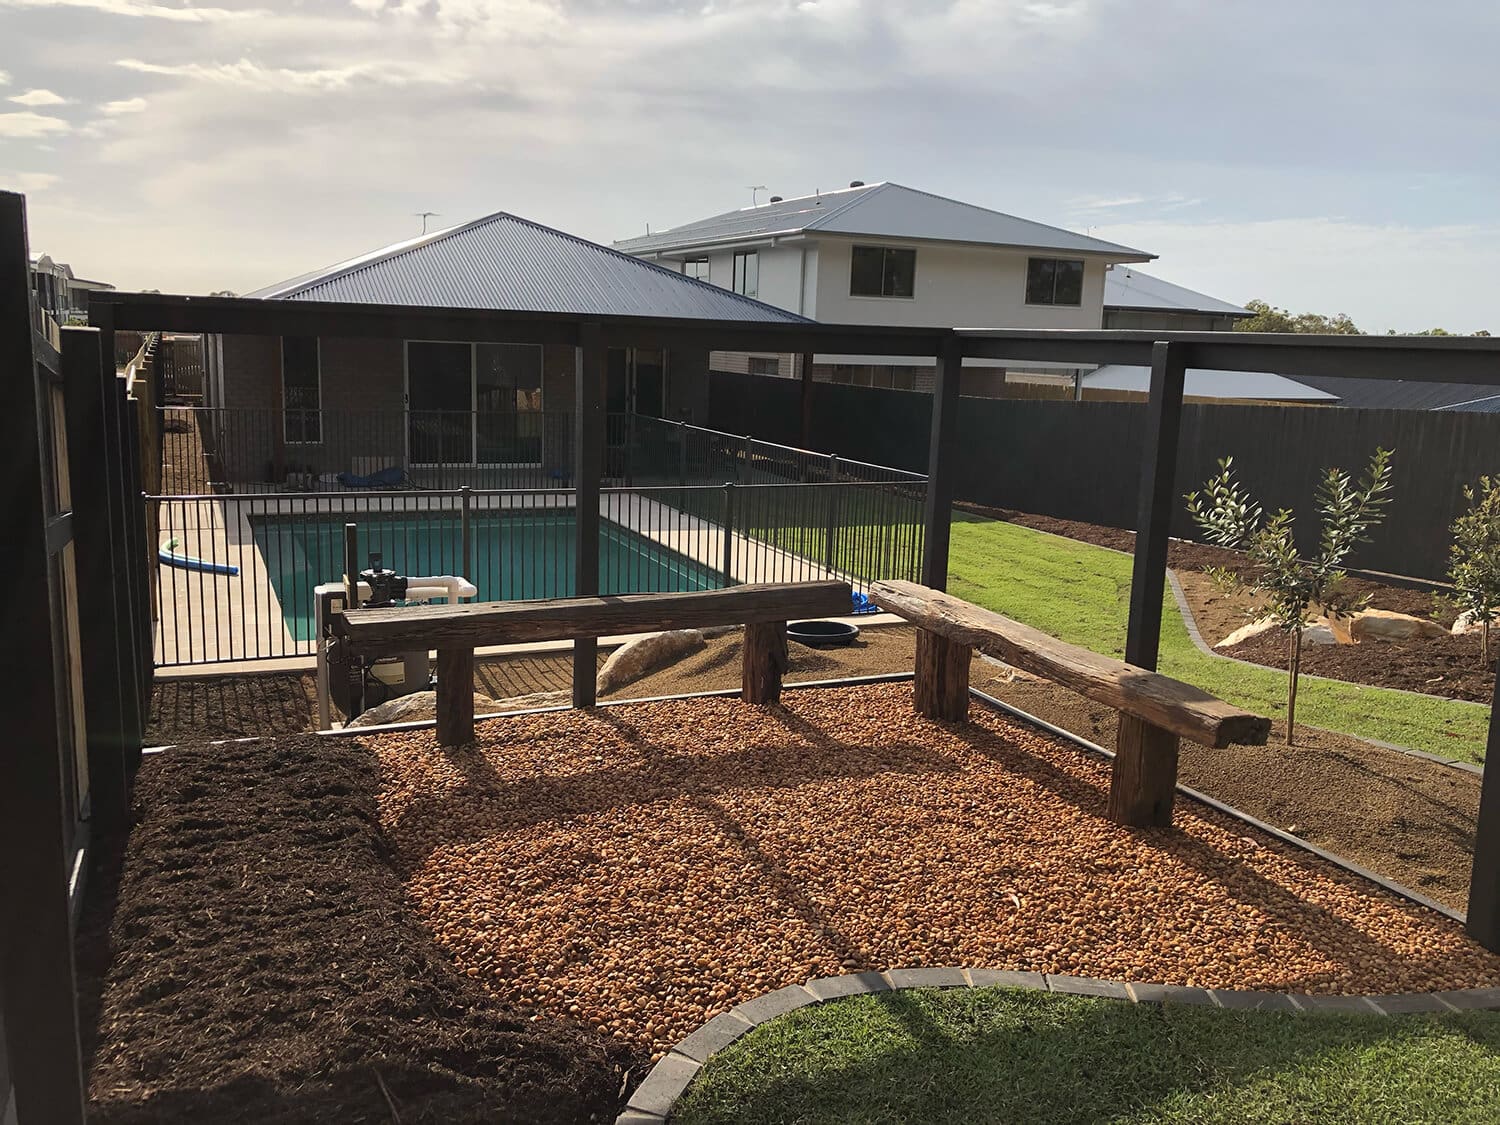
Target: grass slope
(1081,594)
(996,1055)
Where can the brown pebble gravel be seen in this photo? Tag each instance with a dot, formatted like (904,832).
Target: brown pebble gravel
(642,868)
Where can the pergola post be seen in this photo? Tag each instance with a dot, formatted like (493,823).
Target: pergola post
(588,467)
(1484,882)
(1158,494)
(941,460)
(805,369)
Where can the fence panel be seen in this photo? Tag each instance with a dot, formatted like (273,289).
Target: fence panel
(1079,460)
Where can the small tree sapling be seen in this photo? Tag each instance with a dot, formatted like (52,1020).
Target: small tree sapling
(1474,559)
(1290,583)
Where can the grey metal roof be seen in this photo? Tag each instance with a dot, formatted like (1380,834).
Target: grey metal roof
(1490,404)
(1126,287)
(1206,383)
(884,210)
(505,262)
(1398,394)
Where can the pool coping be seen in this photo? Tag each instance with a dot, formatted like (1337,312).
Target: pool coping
(652,1102)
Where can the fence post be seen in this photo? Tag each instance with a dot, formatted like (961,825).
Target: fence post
(630,449)
(441,466)
(588,455)
(682,440)
(831,532)
(465,532)
(728,567)
(744,466)
(941,463)
(1483,922)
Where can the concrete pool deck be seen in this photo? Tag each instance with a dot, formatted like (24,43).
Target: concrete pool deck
(208,619)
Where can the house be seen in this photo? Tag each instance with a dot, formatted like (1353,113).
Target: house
(892,255)
(316,407)
(59,291)
(1133,299)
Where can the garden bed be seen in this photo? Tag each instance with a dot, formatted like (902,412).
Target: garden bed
(1443,666)
(644,867)
(252,957)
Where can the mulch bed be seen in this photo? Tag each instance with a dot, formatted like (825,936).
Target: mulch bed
(644,867)
(253,957)
(1444,666)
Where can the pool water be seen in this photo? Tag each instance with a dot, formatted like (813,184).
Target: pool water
(515,556)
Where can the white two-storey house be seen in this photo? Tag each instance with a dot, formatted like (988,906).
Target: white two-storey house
(892,255)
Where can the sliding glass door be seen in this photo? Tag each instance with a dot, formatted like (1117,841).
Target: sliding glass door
(474,404)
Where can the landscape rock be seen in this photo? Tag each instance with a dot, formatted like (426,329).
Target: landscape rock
(1245,632)
(1387,625)
(636,658)
(1319,633)
(1466,624)
(422,705)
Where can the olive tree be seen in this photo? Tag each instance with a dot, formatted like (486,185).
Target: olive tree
(1474,559)
(1291,583)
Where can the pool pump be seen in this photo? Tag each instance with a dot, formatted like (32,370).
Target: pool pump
(352,683)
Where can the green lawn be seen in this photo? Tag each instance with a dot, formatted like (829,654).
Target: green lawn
(1081,594)
(996,1055)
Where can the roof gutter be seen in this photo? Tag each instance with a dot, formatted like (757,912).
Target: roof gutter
(726,242)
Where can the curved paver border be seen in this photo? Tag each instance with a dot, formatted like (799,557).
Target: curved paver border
(654,1098)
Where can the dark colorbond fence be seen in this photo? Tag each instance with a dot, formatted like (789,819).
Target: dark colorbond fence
(1079,460)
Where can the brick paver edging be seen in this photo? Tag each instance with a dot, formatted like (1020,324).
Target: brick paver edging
(654,1098)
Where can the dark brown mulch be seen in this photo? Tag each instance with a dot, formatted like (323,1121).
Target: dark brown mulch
(1436,666)
(253,957)
(1410,819)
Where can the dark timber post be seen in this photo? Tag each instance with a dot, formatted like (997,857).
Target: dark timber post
(806,365)
(588,466)
(1484,884)
(1157,496)
(98,623)
(941,461)
(36,939)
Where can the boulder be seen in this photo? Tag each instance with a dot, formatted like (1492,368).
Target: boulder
(1319,633)
(1245,632)
(422,705)
(1466,624)
(1387,625)
(636,658)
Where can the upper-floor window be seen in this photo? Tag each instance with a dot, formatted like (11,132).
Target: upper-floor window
(881,271)
(747,273)
(1054,281)
(696,267)
(301,390)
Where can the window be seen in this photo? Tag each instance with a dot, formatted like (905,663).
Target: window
(695,267)
(747,273)
(301,392)
(765,365)
(879,271)
(1054,281)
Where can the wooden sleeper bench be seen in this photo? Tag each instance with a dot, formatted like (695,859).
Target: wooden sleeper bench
(1155,710)
(455,631)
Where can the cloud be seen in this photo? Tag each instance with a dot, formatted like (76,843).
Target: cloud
(4,78)
(27,181)
(249,75)
(26,125)
(139,9)
(125,105)
(39,98)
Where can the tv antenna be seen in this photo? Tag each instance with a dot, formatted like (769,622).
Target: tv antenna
(424,216)
(752,189)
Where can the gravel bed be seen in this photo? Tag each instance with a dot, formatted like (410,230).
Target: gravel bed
(643,868)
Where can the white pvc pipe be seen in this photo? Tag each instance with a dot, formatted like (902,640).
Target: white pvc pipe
(426,588)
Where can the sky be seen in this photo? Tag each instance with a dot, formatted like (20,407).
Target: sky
(1332,156)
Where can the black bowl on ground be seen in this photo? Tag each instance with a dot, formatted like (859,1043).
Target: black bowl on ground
(822,634)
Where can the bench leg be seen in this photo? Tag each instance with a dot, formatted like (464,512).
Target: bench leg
(1144,780)
(942,684)
(765,661)
(455,696)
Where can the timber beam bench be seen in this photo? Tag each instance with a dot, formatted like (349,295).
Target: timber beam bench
(1155,710)
(455,631)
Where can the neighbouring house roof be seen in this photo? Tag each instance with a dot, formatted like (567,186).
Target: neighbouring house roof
(1489,404)
(508,263)
(1399,394)
(1126,287)
(883,210)
(1206,383)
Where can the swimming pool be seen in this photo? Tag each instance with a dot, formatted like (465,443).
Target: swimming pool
(515,556)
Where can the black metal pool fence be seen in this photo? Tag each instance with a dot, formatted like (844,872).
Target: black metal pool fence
(235,573)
